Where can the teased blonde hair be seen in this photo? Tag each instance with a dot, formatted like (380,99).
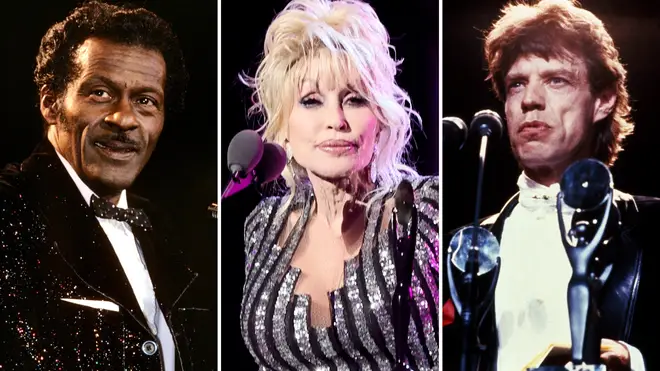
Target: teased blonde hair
(346,40)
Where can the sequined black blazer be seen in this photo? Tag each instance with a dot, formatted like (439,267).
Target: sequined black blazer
(53,248)
(627,304)
(275,321)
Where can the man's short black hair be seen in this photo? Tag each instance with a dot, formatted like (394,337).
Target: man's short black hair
(128,25)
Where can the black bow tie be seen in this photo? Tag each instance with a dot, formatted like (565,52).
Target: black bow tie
(107,210)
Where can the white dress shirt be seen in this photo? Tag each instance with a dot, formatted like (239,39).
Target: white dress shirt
(128,252)
(531,310)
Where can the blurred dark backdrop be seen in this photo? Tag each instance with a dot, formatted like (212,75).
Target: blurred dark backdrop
(181,177)
(413,27)
(635,29)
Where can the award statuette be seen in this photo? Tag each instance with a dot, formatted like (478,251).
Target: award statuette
(587,187)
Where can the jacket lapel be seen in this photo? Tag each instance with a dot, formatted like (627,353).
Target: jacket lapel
(488,331)
(617,303)
(170,277)
(497,227)
(76,233)
(169,274)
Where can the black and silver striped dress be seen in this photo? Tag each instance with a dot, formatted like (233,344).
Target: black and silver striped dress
(275,321)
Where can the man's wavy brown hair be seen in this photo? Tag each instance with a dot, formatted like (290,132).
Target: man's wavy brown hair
(560,29)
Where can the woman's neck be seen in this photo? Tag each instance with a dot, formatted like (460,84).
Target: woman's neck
(337,202)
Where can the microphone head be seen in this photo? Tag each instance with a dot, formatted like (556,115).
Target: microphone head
(403,201)
(487,123)
(586,183)
(454,132)
(244,152)
(272,163)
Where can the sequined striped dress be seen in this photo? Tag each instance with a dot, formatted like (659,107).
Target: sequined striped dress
(275,322)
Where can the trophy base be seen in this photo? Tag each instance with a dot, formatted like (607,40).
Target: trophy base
(557,357)
(570,367)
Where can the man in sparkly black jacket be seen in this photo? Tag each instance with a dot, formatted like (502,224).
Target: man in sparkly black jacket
(89,280)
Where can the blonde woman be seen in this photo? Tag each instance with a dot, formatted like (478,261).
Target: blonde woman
(319,267)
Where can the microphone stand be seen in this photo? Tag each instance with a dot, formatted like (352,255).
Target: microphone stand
(405,251)
(469,282)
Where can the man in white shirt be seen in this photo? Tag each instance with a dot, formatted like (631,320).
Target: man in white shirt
(558,72)
(89,280)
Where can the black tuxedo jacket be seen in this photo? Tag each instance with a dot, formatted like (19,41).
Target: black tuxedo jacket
(53,248)
(627,302)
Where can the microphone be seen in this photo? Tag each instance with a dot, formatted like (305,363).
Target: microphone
(454,133)
(587,186)
(269,168)
(272,163)
(487,123)
(244,153)
(404,217)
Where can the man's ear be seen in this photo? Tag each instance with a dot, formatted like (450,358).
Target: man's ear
(604,104)
(49,105)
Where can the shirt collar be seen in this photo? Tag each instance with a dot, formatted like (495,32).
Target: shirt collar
(536,196)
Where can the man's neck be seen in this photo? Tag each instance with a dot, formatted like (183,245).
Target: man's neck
(112,196)
(85,190)
(546,175)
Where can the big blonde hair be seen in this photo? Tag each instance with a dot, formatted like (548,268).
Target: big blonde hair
(346,40)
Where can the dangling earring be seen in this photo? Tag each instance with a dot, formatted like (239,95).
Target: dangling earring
(289,153)
(373,171)
(289,160)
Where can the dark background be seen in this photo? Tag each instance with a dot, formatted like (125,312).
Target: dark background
(181,177)
(413,27)
(635,28)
